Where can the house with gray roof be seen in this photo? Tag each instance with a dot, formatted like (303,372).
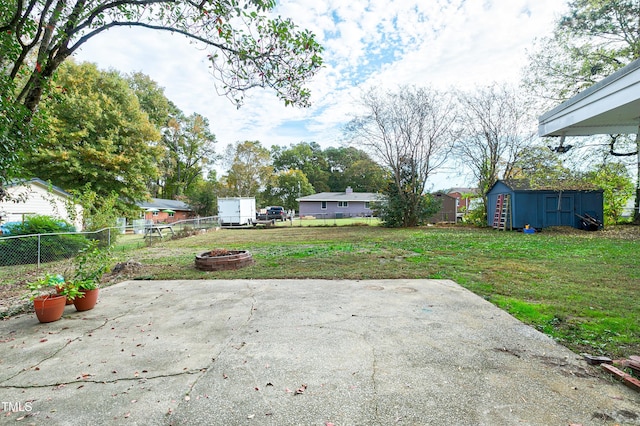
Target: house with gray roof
(160,210)
(336,205)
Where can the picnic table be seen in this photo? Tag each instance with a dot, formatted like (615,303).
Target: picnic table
(151,229)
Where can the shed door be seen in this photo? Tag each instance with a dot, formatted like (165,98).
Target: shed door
(558,210)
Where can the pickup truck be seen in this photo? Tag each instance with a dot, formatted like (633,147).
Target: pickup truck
(273,213)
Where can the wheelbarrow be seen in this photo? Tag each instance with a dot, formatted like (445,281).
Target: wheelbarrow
(589,223)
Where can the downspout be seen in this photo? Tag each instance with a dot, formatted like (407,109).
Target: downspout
(636,206)
(559,215)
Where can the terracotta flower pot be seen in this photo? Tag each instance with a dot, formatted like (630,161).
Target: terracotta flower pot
(88,301)
(49,308)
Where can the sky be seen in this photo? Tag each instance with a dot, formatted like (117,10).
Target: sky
(438,43)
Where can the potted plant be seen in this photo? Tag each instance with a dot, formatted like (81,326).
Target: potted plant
(88,296)
(60,288)
(47,302)
(90,265)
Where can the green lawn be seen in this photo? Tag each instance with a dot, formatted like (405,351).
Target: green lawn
(579,287)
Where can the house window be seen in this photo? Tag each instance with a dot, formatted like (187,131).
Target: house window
(155,213)
(323,205)
(171,214)
(343,204)
(366,204)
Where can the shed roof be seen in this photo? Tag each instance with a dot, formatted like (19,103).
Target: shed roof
(525,185)
(442,194)
(610,106)
(342,196)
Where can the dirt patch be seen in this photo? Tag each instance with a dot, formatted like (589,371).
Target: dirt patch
(123,271)
(12,300)
(623,232)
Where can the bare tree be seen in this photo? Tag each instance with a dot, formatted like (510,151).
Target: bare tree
(410,132)
(496,128)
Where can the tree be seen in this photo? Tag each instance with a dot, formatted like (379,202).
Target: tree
(285,187)
(410,131)
(189,147)
(248,49)
(98,135)
(249,169)
(307,157)
(402,205)
(542,168)
(613,178)
(349,166)
(202,195)
(592,40)
(497,128)
(99,211)
(151,98)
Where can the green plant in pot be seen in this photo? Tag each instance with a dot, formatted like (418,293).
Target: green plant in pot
(49,295)
(61,289)
(89,267)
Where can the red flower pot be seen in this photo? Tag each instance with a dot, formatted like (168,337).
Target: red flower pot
(88,301)
(49,308)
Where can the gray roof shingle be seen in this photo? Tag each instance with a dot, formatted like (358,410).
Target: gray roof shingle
(342,196)
(162,204)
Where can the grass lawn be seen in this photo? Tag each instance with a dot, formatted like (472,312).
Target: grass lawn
(579,287)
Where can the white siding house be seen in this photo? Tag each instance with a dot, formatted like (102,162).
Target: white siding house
(35,196)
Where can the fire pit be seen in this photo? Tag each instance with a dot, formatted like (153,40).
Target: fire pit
(221,259)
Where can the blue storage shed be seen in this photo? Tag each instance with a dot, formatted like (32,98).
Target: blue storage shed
(514,204)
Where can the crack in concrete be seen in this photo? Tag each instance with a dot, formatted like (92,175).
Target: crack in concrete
(61,348)
(122,379)
(224,347)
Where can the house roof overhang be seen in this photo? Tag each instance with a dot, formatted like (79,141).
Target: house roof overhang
(163,204)
(41,183)
(611,106)
(341,196)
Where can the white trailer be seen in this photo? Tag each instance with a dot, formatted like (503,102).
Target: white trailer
(236,211)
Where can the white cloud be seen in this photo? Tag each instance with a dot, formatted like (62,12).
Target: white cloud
(444,43)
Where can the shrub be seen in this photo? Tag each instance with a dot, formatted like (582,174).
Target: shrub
(396,212)
(20,251)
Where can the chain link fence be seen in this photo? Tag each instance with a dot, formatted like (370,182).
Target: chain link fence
(43,248)
(39,249)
